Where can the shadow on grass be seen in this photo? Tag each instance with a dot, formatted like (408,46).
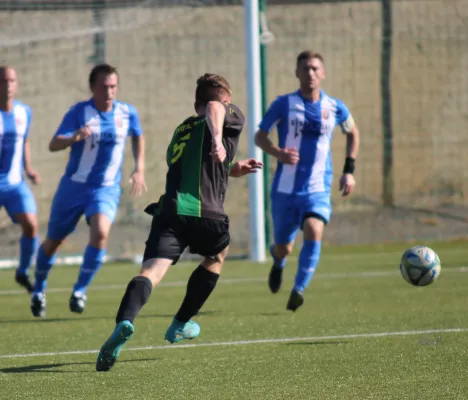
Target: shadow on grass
(311,343)
(50,368)
(270,314)
(92,318)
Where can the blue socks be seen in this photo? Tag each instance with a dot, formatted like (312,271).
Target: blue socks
(308,260)
(92,262)
(28,247)
(43,266)
(279,262)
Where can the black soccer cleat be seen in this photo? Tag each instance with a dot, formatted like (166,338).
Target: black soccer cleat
(295,301)
(77,303)
(38,305)
(275,279)
(23,280)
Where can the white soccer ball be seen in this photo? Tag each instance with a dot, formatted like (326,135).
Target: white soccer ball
(420,266)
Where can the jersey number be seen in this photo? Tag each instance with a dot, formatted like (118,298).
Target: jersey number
(179,147)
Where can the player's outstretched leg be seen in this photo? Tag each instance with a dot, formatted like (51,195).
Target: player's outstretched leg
(92,262)
(136,296)
(44,264)
(308,260)
(199,287)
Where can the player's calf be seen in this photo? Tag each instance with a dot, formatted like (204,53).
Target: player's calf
(28,245)
(136,296)
(308,260)
(92,262)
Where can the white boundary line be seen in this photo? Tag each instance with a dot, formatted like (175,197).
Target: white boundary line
(77,259)
(247,342)
(233,281)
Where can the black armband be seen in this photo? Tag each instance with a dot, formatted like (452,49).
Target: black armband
(349,165)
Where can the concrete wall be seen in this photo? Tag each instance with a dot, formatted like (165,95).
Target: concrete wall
(160,53)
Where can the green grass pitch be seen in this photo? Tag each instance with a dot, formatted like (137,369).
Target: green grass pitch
(363,333)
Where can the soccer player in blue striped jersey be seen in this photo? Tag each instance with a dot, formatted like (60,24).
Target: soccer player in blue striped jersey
(301,188)
(15,160)
(95,131)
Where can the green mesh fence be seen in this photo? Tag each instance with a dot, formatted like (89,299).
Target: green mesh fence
(161,47)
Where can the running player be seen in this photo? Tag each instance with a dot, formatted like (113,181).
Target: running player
(301,189)
(189,214)
(15,158)
(95,131)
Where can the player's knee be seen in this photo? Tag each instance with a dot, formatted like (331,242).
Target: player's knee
(28,223)
(313,229)
(283,250)
(100,225)
(99,238)
(49,246)
(29,228)
(215,263)
(154,269)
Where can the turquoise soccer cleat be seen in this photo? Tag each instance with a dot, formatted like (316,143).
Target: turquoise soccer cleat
(110,350)
(182,330)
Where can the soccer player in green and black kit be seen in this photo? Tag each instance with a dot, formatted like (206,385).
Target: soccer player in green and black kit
(189,214)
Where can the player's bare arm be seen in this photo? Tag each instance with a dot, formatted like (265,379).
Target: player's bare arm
(137,179)
(285,156)
(30,173)
(215,114)
(347,181)
(245,167)
(61,142)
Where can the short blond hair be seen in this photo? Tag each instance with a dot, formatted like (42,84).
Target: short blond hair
(307,55)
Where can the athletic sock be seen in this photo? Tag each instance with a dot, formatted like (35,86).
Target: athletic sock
(199,287)
(136,296)
(308,260)
(92,262)
(44,264)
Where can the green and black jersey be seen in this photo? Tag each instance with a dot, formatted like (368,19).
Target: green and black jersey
(195,184)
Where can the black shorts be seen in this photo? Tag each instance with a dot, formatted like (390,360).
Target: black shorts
(171,235)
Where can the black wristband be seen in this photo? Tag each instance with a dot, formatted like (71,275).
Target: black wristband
(349,166)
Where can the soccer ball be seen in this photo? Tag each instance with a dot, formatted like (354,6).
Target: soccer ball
(420,266)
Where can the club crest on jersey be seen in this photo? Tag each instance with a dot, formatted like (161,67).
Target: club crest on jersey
(325,114)
(20,122)
(118,122)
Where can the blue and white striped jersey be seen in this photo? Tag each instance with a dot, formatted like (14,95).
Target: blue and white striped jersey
(308,127)
(97,160)
(14,129)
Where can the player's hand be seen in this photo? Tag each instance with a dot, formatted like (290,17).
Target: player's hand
(137,180)
(347,184)
(288,156)
(244,167)
(218,152)
(33,176)
(81,134)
